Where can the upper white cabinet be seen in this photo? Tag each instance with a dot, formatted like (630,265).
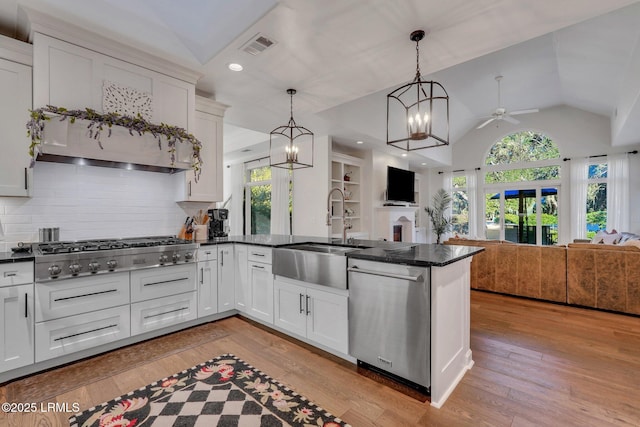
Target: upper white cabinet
(74,77)
(15,102)
(208,130)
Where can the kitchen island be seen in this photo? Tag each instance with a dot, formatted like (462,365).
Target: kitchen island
(427,331)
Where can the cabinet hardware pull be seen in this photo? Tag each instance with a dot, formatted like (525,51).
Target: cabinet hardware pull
(202,276)
(26,179)
(221,258)
(256,254)
(166,312)
(10,273)
(87,332)
(166,281)
(356,269)
(257,266)
(307,304)
(189,188)
(86,295)
(26,305)
(301,298)
(207,253)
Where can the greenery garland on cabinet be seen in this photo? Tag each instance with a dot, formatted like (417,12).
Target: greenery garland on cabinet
(97,123)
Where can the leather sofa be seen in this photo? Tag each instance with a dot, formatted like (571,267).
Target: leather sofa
(518,269)
(604,276)
(583,274)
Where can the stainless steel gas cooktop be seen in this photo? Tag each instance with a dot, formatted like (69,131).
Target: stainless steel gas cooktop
(59,260)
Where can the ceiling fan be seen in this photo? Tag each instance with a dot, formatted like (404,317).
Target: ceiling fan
(501,113)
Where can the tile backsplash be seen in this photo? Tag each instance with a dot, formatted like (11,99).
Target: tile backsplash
(89,202)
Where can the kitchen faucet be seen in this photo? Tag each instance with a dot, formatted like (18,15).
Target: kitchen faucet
(345,226)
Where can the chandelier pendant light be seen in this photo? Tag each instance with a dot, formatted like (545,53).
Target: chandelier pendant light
(418,112)
(291,146)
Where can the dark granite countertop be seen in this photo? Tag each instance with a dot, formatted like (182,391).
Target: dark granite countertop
(7,257)
(278,240)
(423,255)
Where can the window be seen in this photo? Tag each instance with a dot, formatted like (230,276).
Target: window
(460,206)
(258,199)
(596,198)
(521,189)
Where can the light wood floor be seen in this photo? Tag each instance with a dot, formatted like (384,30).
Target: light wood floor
(535,364)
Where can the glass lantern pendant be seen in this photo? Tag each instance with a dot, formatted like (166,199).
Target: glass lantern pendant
(418,112)
(291,146)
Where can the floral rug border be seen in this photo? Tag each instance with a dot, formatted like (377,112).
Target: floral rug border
(283,403)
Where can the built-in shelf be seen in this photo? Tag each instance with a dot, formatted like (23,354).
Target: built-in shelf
(343,166)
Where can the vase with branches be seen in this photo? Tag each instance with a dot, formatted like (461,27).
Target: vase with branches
(440,204)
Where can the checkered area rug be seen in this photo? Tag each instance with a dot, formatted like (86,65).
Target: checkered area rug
(224,391)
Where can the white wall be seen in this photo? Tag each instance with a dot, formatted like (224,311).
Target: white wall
(577,134)
(310,189)
(89,202)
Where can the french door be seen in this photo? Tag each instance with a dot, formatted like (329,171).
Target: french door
(527,214)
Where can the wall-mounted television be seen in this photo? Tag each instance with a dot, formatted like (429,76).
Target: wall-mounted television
(400,185)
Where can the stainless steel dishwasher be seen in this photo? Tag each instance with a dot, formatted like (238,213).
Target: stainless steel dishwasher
(390,320)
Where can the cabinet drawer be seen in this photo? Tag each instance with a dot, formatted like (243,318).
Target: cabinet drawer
(207,253)
(64,298)
(159,313)
(70,334)
(164,281)
(16,273)
(260,254)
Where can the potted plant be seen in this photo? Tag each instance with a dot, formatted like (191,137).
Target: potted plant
(440,203)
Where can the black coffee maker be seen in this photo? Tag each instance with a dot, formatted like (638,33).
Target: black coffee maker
(218,223)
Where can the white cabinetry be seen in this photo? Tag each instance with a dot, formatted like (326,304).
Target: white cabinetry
(226,278)
(16,321)
(260,284)
(241,277)
(77,314)
(15,102)
(160,282)
(162,312)
(311,313)
(346,174)
(208,130)
(207,281)
(70,76)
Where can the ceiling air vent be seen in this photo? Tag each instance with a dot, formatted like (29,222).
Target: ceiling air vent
(258,44)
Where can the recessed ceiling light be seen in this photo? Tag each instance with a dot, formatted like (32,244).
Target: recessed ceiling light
(423,164)
(235,67)
(404,154)
(359,142)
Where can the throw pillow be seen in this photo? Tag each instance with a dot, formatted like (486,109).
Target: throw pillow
(611,239)
(599,236)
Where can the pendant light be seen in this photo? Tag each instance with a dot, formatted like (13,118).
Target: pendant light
(418,112)
(291,146)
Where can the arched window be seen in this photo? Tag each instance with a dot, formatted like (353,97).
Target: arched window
(522,177)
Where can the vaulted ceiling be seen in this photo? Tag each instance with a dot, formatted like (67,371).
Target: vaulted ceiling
(344,56)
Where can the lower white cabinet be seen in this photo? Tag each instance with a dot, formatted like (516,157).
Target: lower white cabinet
(74,333)
(226,278)
(207,288)
(261,291)
(241,278)
(62,298)
(160,282)
(162,312)
(16,327)
(311,313)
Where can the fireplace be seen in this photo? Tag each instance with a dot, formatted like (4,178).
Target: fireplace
(397,233)
(395,223)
